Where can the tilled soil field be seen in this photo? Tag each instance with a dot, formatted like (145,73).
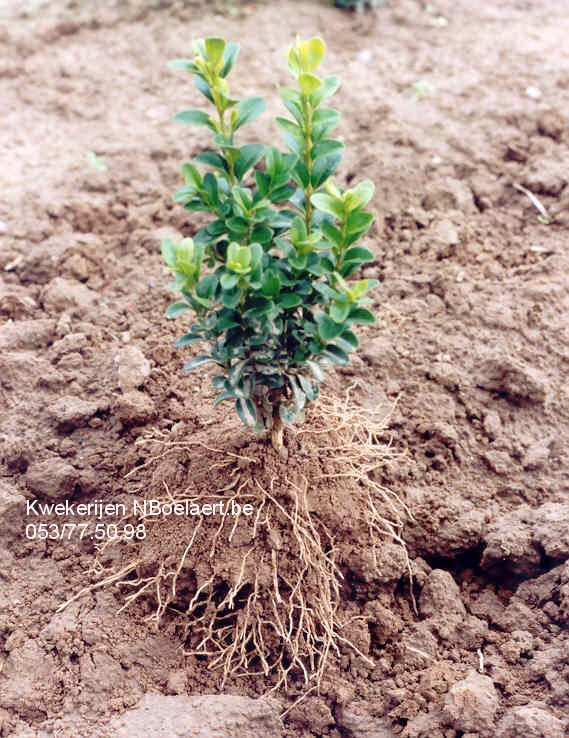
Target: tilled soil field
(456,111)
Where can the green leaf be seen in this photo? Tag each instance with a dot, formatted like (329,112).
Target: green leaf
(295,111)
(339,312)
(177,308)
(246,411)
(289,301)
(301,174)
(327,328)
(329,86)
(357,224)
(262,234)
(359,254)
(236,372)
(182,65)
(328,204)
(191,175)
(309,386)
(249,156)
(211,189)
(228,280)
(336,355)
(213,159)
(247,110)
(316,370)
(282,193)
(229,57)
(324,121)
(289,127)
(214,48)
(238,225)
(359,196)
(288,414)
(298,392)
(203,87)
(361,315)
(311,53)
(309,83)
(324,167)
(207,286)
(186,340)
(225,395)
(185,194)
(168,249)
(332,233)
(198,361)
(193,118)
(328,146)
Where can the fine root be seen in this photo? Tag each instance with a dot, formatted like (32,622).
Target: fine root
(260,593)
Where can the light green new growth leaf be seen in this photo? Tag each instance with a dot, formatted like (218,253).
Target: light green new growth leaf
(309,83)
(214,48)
(328,204)
(311,53)
(359,196)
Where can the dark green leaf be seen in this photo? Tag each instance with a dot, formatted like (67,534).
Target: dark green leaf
(329,146)
(250,155)
(213,159)
(324,121)
(324,167)
(176,308)
(225,395)
(336,355)
(207,286)
(261,234)
(197,361)
(359,254)
(228,280)
(186,340)
(361,315)
(327,328)
(295,111)
(229,57)
(339,312)
(193,118)
(203,87)
(301,175)
(333,234)
(309,386)
(238,225)
(289,301)
(289,127)
(247,110)
(246,411)
(263,182)
(210,188)
(282,193)
(231,298)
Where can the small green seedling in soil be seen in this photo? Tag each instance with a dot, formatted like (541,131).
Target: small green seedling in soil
(267,278)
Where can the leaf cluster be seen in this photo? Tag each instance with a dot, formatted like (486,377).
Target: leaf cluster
(266,278)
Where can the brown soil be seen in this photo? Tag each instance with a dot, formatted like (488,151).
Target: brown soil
(468,361)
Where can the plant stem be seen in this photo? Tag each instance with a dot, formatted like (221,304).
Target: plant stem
(308,162)
(277,432)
